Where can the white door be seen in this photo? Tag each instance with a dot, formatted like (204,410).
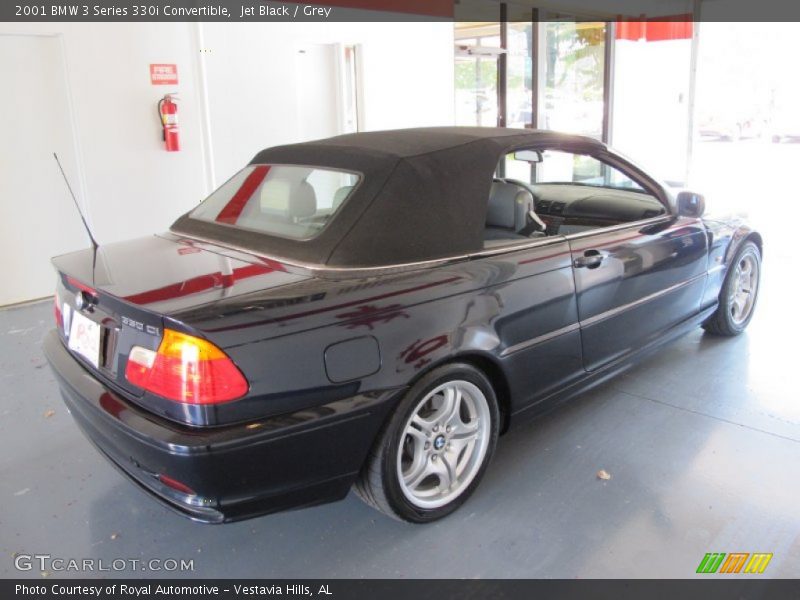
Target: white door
(317,87)
(37,217)
(328,92)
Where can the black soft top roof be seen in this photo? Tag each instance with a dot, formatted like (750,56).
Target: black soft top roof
(423,194)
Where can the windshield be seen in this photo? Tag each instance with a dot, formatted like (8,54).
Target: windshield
(289,201)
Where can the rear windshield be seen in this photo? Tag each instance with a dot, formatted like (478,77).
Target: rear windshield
(284,200)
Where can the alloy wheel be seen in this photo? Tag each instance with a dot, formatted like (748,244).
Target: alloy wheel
(744,288)
(443,444)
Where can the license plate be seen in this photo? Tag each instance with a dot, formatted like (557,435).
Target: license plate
(84,338)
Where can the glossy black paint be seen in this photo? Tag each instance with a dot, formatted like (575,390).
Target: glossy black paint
(653,275)
(541,325)
(236,471)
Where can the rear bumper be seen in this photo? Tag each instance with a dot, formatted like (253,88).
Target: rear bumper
(304,458)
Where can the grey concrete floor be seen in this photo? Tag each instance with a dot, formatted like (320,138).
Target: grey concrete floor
(702,442)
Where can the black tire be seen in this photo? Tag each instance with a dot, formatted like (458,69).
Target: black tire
(379,483)
(722,322)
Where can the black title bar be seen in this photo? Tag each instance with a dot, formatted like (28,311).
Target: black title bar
(416,589)
(394,10)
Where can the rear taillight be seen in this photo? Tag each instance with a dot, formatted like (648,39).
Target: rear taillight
(186,369)
(81,286)
(57,311)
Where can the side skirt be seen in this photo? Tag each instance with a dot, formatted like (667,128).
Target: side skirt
(609,370)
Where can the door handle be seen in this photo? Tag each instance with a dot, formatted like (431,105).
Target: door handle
(591,259)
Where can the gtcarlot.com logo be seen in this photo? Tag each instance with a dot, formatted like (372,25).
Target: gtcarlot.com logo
(735,562)
(49,564)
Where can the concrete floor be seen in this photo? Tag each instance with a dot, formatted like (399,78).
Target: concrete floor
(702,442)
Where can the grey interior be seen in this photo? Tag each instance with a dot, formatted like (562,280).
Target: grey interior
(506,216)
(594,202)
(566,208)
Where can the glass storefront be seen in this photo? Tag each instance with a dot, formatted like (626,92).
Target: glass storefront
(519,75)
(498,66)
(573,78)
(478,54)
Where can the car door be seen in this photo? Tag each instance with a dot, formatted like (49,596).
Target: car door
(635,282)
(633,279)
(637,268)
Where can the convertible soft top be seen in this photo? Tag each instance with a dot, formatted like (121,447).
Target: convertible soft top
(423,195)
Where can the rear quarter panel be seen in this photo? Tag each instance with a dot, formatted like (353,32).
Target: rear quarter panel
(475,308)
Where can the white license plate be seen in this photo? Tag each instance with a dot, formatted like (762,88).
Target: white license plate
(84,338)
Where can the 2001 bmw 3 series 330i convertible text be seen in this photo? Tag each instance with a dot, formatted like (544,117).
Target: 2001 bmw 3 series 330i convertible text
(373,310)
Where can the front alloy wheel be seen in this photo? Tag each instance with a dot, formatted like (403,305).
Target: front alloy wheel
(435,448)
(737,299)
(744,289)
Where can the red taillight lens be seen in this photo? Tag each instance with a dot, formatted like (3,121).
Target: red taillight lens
(57,312)
(81,286)
(186,369)
(176,485)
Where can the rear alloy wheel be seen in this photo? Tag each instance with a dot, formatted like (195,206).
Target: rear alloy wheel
(435,448)
(737,300)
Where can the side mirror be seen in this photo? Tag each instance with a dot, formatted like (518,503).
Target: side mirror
(691,204)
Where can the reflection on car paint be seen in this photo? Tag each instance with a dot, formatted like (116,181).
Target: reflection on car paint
(415,353)
(370,315)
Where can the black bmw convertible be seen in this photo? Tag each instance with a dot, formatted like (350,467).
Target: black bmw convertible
(373,310)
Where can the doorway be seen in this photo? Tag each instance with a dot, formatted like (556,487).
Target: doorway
(329,102)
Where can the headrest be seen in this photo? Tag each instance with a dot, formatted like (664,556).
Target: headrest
(290,199)
(303,202)
(509,204)
(340,195)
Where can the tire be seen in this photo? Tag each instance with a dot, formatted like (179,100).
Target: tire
(445,428)
(736,309)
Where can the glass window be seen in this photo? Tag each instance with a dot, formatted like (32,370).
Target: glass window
(476,66)
(565,167)
(284,200)
(519,75)
(573,78)
(574,193)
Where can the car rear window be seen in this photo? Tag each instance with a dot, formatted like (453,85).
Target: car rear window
(289,201)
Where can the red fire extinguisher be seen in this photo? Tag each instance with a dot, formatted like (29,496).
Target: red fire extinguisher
(168,113)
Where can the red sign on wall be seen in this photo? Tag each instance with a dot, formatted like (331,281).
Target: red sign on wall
(164,74)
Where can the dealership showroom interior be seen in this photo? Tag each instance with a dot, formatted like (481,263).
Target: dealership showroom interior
(266,276)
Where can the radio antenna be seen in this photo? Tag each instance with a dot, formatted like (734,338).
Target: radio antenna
(75,200)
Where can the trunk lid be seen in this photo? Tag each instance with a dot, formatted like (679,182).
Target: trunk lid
(121,295)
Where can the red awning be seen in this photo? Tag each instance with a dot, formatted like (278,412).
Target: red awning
(677,27)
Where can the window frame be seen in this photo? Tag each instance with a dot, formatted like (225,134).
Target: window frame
(606,156)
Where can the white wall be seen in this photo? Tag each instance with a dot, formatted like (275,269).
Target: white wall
(407,79)
(132,187)
(35,122)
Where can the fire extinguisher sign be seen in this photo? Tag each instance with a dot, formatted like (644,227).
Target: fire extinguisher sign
(163,74)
